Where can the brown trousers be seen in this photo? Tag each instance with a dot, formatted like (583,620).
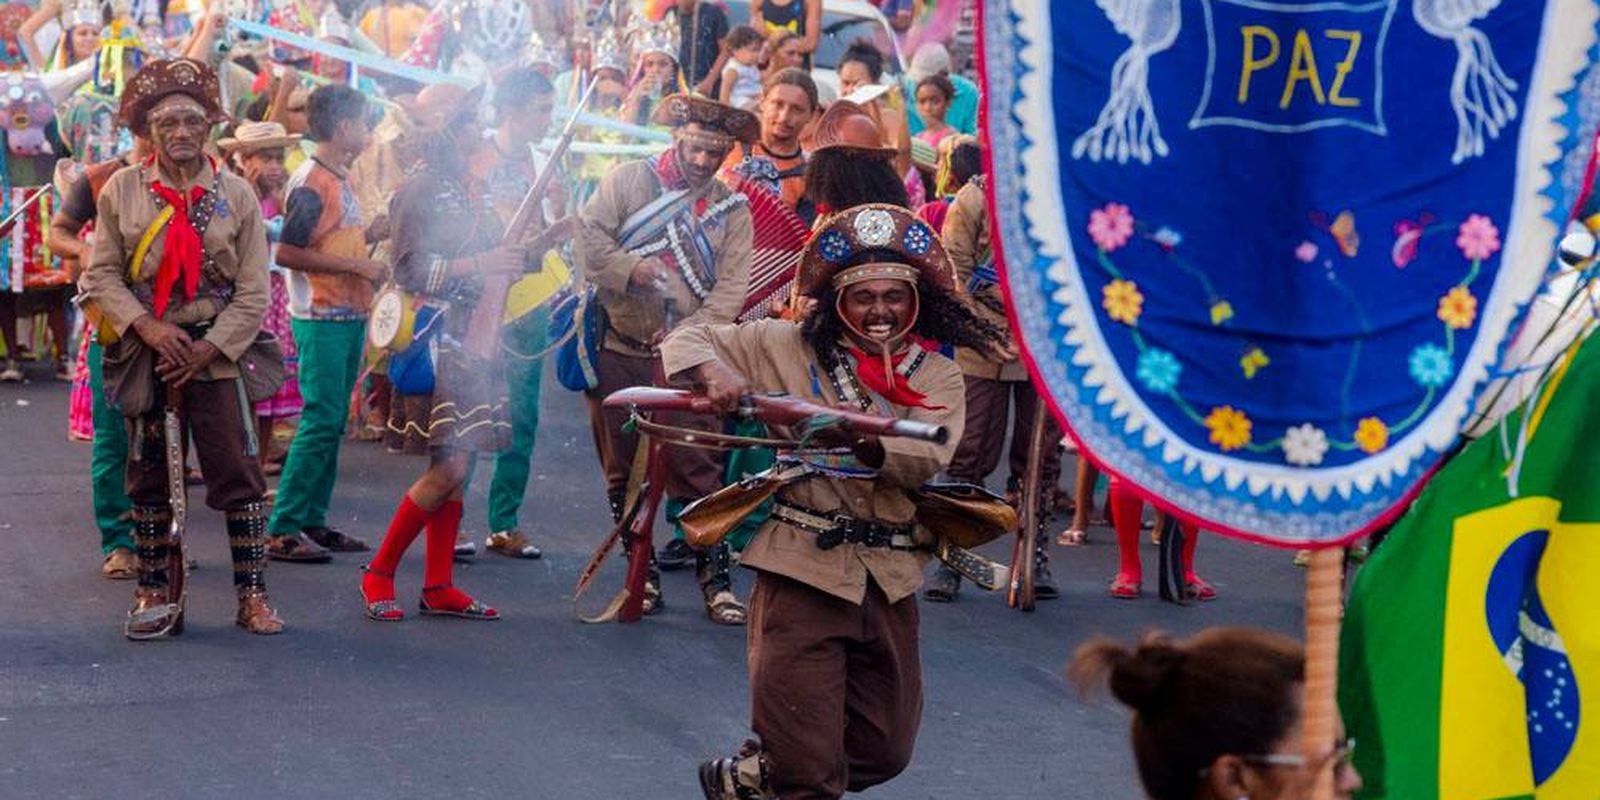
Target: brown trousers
(215,420)
(988,402)
(836,688)
(692,472)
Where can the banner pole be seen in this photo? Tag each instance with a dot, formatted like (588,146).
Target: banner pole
(1324,610)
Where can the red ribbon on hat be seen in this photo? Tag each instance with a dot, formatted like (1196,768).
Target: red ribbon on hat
(183,251)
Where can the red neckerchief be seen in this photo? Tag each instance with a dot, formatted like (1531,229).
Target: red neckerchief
(183,251)
(878,375)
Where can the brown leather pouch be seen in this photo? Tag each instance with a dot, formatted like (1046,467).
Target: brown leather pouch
(964,514)
(707,521)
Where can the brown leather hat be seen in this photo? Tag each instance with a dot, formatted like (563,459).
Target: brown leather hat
(681,109)
(162,78)
(849,127)
(874,226)
(441,105)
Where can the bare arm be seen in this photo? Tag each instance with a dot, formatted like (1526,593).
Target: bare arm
(48,10)
(813,25)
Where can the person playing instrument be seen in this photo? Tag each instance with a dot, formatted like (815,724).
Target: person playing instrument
(835,675)
(997,389)
(663,241)
(778,162)
(1217,716)
(179,271)
(523,102)
(324,246)
(109,459)
(447,246)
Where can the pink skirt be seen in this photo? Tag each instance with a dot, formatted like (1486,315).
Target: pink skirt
(287,402)
(80,404)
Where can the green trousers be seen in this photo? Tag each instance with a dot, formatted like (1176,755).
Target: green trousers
(108,464)
(330,361)
(512,467)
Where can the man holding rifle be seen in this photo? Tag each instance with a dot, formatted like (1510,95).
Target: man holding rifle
(179,270)
(663,241)
(835,674)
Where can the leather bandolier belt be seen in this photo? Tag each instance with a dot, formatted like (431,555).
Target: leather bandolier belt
(834,529)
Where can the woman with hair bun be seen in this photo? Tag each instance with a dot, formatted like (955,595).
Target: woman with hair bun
(1217,716)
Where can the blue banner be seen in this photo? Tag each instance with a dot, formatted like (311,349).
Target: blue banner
(1262,255)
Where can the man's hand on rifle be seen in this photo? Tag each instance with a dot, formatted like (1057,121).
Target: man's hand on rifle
(867,448)
(378,230)
(722,385)
(168,340)
(200,356)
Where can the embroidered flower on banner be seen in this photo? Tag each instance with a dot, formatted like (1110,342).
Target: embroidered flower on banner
(1230,428)
(1431,366)
(1123,301)
(1306,252)
(1458,308)
(1110,227)
(1478,238)
(1221,311)
(1305,445)
(1159,370)
(1372,435)
(1168,238)
(834,246)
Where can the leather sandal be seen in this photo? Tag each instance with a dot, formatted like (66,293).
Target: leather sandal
(653,599)
(725,609)
(256,616)
(296,548)
(120,565)
(334,540)
(153,616)
(381,610)
(473,610)
(512,544)
(1125,588)
(1073,537)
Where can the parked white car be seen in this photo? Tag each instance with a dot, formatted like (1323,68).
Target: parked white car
(843,22)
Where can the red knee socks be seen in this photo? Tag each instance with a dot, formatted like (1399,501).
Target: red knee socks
(1191,537)
(1127,515)
(437,590)
(378,583)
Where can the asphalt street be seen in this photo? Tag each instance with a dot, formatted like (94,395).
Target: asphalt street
(538,705)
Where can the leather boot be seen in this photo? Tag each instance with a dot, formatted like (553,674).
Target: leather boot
(713,568)
(155,614)
(247,540)
(1044,585)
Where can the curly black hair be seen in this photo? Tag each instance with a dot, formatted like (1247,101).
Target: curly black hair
(941,316)
(838,180)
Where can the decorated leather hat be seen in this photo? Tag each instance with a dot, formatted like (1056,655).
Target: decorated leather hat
(911,249)
(678,110)
(162,78)
(850,128)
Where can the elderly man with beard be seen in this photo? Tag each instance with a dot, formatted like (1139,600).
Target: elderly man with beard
(835,674)
(665,243)
(179,271)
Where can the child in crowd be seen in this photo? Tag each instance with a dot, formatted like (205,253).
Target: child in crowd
(741,78)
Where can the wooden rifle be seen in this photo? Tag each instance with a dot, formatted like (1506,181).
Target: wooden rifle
(483,329)
(1021,594)
(778,410)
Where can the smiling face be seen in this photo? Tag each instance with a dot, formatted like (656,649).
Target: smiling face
(878,312)
(789,54)
(785,110)
(85,40)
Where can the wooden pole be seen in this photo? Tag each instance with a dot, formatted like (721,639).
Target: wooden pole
(1324,609)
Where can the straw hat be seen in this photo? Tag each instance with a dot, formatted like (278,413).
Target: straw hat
(252,136)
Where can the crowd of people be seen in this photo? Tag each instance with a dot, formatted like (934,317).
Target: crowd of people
(374,227)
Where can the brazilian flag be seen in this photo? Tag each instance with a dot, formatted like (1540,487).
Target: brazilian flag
(1470,661)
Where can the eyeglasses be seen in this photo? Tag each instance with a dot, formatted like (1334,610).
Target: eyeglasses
(1340,757)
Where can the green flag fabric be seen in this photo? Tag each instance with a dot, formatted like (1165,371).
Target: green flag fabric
(1470,656)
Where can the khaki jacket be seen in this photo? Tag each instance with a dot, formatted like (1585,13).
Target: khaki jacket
(236,239)
(774,358)
(966,240)
(639,315)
